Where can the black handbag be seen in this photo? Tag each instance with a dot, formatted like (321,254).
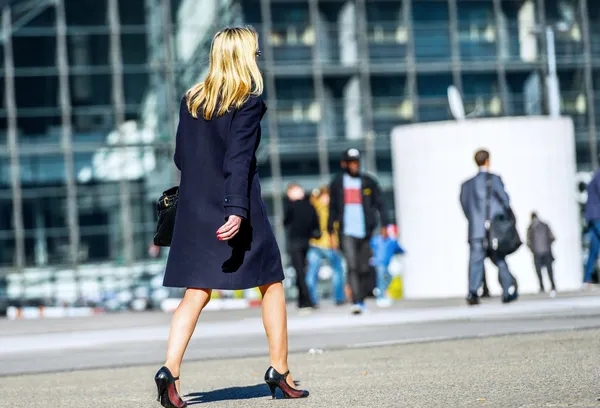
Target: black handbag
(502,237)
(166,208)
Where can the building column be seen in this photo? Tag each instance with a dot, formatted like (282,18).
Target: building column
(455,45)
(319,87)
(541,14)
(171,85)
(116,65)
(267,22)
(67,133)
(411,66)
(12,142)
(365,86)
(500,63)
(589,85)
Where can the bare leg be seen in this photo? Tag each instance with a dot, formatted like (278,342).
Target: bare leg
(183,325)
(274,315)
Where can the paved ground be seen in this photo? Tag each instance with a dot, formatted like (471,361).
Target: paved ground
(536,370)
(133,339)
(534,353)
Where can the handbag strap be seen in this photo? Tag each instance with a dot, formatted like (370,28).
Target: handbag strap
(488,190)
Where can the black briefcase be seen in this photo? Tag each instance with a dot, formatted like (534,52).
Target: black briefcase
(166,208)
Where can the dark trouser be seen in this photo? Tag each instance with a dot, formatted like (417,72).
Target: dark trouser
(298,258)
(476,268)
(357,252)
(486,290)
(544,261)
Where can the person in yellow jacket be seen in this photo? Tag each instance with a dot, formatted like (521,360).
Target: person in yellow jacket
(324,248)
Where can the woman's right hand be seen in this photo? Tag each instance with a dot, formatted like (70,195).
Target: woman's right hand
(230,228)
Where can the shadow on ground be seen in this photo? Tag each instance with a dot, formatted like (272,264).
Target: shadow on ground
(233,393)
(230,394)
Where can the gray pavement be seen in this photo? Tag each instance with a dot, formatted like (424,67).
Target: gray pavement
(533,353)
(556,369)
(133,339)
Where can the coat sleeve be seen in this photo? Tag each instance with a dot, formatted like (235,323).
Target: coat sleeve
(498,186)
(241,144)
(287,214)
(379,204)
(315,225)
(550,234)
(333,206)
(463,199)
(592,188)
(177,157)
(530,237)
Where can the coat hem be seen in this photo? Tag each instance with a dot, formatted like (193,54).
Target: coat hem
(224,287)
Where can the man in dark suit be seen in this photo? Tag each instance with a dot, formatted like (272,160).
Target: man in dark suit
(474,201)
(356,205)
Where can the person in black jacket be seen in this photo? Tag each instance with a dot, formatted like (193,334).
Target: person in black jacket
(539,241)
(302,224)
(356,205)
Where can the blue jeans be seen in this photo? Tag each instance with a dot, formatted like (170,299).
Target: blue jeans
(594,250)
(314,257)
(384,278)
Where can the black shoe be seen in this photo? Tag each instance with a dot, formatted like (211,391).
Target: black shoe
(486,294)
(275,380)
(167,392)
(472,299)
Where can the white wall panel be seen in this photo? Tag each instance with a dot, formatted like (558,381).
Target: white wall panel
(536,159)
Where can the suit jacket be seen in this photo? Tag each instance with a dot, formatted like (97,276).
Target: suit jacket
(473,201)
(592,206)
(372,201)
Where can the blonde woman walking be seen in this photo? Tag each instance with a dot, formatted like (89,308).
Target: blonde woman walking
(222,237)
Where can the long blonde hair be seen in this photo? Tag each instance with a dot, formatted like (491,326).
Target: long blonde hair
(233,74)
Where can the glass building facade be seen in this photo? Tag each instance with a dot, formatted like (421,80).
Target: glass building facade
(90,91)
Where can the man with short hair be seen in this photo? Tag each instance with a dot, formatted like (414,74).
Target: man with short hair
(355,205)
(481,204)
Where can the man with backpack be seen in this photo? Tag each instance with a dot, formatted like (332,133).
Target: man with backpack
(483,199)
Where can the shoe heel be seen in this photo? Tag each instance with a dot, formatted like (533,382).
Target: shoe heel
(273,388)
(161,388)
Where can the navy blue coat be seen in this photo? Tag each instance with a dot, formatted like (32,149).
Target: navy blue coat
(592,206)
(219,178)
(473,198)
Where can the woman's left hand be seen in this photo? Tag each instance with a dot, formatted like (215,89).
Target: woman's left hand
(230,228)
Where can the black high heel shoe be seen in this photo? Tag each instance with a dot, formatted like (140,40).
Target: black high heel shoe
(275,380)
(167,392)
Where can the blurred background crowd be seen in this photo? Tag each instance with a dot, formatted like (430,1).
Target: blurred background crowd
(90,90)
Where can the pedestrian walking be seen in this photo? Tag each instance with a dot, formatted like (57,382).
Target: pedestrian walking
(356,206)
(322,249)
(222,238)
(539,241)
(592,216)
(483,198)
(384,248)
(302,224)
